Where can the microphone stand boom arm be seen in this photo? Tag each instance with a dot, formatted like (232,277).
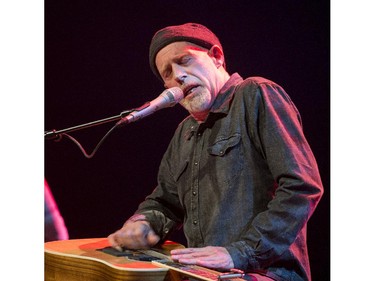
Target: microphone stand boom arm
(167,98)
(56,134)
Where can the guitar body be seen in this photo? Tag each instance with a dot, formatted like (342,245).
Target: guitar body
(93,259)
(82,260)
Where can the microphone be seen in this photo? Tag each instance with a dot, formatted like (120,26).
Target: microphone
(168,98)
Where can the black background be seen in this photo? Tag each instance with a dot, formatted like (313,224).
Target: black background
(96,66)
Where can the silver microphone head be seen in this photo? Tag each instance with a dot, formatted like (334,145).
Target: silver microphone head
(173,96)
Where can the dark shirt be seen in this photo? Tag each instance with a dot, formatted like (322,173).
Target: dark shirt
(245,179)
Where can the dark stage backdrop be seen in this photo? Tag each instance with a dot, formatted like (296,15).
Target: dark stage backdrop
(96,66)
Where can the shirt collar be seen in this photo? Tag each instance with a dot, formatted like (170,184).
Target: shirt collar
(220,106)
(225,95)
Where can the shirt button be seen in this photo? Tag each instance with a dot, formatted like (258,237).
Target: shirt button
(194,193)
(221,152)
(195,222)
(195,163)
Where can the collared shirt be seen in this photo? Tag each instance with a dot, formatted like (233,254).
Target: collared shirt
(245,179)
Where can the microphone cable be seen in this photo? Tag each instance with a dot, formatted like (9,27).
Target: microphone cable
(91,155)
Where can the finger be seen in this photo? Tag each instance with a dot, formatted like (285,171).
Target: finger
(183,251)
(224,262)
(152,238)
(118,248)
(112,240)
(212,257)
(127,237)
(113,243)
(189,253)
(200,252)
(207,262)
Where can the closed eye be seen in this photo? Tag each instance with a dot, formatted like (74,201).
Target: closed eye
(184,60)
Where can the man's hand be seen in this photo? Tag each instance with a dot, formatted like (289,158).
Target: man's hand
(211,257)
(134,235)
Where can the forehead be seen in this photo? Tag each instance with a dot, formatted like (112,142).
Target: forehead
(175,49)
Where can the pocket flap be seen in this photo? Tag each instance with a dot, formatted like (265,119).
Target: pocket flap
(221,146)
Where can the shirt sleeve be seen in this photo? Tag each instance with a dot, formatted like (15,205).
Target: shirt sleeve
(162,207)
(277,132)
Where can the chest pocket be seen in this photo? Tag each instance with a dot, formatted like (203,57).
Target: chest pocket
(220,147)
(226,159)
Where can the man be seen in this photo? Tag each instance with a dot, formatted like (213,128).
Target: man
(238,174)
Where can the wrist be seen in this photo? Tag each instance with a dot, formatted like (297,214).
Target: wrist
(137,217)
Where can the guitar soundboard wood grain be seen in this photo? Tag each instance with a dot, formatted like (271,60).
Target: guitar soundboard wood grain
(80,260)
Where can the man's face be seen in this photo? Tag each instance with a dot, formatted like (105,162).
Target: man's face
(194,70)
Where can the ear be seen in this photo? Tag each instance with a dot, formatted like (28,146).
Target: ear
(217,55)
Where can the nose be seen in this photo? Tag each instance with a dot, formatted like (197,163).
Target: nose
(179,74)
(181,79)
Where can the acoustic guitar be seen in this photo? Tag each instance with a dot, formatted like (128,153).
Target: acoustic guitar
(94,260)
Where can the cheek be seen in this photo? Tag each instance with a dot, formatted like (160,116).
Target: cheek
(207,78)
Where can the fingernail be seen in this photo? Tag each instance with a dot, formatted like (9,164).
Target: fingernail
(118,248)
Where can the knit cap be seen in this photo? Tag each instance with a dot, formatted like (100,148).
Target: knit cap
(190,32)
